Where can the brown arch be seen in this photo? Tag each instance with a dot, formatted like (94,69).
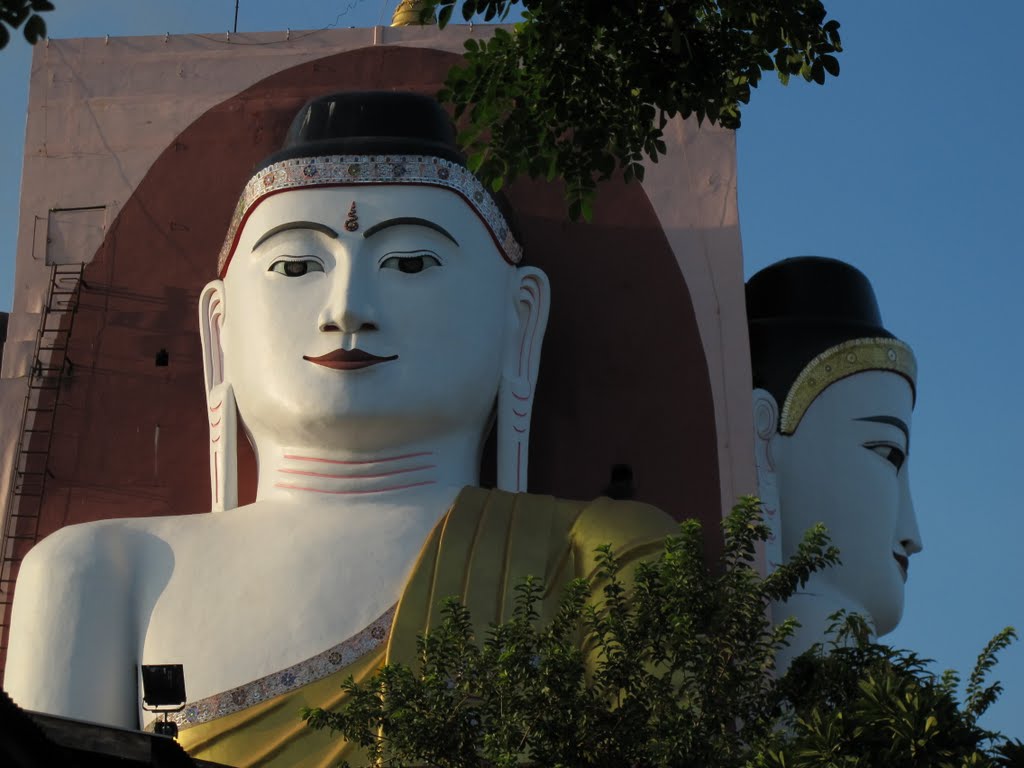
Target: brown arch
(623,374)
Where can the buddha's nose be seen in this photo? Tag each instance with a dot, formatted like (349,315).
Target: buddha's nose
(907,533)
(349,307)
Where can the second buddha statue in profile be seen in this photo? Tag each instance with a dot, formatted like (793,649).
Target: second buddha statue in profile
(833,397)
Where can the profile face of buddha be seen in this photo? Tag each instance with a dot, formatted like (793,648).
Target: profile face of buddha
(370,297)
(834,394)
(847,465)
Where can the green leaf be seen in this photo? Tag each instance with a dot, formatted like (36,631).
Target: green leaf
(445,16)
(35,29)
(602,73)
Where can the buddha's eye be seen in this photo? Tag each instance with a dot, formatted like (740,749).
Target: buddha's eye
(411,263)
(891,453)
(296,267)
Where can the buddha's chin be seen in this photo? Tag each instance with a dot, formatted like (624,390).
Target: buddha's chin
(886,610)
(358,431)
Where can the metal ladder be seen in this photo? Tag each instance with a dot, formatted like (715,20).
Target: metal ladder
(51,367)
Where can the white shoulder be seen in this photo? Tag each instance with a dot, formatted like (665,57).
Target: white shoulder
(72,643)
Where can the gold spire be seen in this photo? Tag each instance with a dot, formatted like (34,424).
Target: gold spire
(407,14)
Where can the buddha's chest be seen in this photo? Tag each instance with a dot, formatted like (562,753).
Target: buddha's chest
(238,606)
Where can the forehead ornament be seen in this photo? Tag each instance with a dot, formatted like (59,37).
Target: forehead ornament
(352,222)
(838,362)
(356,139)
(359,170)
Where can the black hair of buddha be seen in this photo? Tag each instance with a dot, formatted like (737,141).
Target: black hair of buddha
(799,307)
(376,123)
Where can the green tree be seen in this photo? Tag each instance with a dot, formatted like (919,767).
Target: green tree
(675,671)
(859,703)
(582,90)
(23,14)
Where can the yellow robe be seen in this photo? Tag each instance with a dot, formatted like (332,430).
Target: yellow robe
(488,542)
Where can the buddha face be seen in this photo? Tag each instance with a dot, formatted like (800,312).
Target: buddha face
(846,465)
(373,326)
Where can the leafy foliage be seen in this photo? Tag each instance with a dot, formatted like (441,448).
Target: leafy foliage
(863,703)
(583,90)
(24,14)
(676,669)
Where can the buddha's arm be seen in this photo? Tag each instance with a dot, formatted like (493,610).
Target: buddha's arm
(73,644)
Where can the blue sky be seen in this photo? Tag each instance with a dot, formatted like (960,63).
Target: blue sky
(909,166)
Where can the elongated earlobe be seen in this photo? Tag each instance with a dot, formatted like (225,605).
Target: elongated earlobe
(222,416)
(519,377)
(766,430)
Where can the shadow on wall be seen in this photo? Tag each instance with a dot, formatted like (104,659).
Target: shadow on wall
(4,317)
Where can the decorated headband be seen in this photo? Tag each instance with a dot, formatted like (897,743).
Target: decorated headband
(838,362)
(370,137)
(812,322)
(358,170)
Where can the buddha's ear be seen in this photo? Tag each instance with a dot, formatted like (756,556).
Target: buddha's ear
(211,317)
(531,301)
(528,320)
(222,415)
(766,434)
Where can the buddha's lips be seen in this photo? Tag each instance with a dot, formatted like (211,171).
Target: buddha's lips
(348,359)
(904,562)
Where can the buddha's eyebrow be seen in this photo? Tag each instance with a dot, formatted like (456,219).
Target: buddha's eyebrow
(900,424)
(409,220)
(313,225)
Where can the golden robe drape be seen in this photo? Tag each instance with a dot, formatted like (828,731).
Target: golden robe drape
(487,543)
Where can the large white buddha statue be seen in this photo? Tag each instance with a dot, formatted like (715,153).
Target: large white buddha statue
(833,396)
(371,322)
